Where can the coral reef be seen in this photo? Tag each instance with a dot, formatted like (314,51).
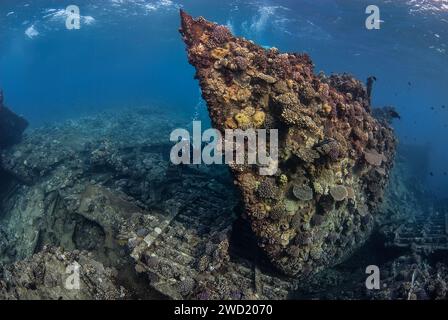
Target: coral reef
(82,185)
(409,246)
(44,276)
(411,277)
(329,143)
(339,193)
(100,185)
(110,197)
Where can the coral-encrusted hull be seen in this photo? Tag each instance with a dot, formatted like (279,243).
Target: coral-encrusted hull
(334,157)
(11,125)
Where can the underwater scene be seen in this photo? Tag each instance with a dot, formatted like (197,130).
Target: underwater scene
(223,150)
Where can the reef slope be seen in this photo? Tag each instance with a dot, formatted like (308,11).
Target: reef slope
(334,156)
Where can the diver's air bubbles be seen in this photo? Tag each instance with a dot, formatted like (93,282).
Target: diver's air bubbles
(198,107)
(73,20)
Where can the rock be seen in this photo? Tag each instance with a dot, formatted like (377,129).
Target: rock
(11,126)
(325,125)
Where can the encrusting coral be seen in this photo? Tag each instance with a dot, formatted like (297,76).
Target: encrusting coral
(328,146)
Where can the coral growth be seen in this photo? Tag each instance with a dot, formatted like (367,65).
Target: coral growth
(339,193)
(101,185)
(304,193)
(373,157)
(328,139)
(44,276)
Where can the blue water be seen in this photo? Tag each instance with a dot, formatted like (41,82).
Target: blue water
(129,53)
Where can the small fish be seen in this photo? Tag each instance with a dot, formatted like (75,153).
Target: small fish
(409,83)
(444,173)
(443,107)
(431,174)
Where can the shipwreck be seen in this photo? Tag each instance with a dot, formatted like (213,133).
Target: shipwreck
(334,156)
(11,125)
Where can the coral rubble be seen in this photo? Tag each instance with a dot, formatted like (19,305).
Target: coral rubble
(83,185)
(44,276)
(101,186)
(335,157)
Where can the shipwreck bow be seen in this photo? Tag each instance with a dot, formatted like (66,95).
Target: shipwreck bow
(11,125)
(334,156)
